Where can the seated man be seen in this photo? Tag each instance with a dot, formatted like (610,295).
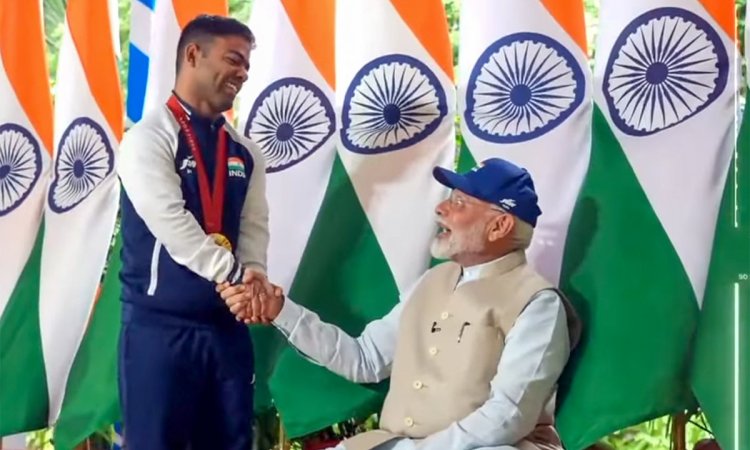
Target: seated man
(474,350)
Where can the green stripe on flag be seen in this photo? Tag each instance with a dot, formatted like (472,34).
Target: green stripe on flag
(718,381)
(344,277)
(639,311)
(91,399)
(466,160)
(23,380)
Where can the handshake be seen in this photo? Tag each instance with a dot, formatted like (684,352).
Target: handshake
(254,300)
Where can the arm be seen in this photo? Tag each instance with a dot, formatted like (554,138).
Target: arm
(253,238)
(366,359)
(146,170)
(536,351)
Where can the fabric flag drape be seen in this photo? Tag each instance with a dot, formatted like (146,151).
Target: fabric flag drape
(287,109)
(639,242)
(91,399)
(25,148)
(83,195)
(370,240)
(525,95)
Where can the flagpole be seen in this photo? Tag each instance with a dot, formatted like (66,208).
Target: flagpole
(283,444)
(679,423)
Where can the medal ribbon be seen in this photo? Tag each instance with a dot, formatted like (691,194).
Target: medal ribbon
(212,200)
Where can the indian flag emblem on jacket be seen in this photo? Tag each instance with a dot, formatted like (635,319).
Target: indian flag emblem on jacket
(236,167)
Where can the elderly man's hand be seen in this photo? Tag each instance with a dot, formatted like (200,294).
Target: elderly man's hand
(258,283)
(254,301)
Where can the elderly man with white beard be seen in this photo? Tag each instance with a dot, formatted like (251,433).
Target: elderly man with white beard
(474,349)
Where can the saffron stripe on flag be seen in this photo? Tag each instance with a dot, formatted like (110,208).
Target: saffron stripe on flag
(665,102)
(25,146)
(354,255)
(89,121)
(292,75)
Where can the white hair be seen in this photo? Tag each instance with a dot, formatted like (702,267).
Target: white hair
(522,234)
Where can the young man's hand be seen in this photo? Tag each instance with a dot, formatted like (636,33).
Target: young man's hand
(255,300)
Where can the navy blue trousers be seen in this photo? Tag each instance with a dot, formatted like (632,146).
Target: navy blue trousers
(186,387)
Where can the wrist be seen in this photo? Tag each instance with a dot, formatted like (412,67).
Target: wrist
(285,309)
(282,300)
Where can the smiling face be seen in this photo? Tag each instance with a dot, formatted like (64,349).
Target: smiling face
(218,69)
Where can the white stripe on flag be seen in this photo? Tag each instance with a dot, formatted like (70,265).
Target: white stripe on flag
(19,218)
(394,186)
(140,26)
(681,165)
(85,150)
(284,77)
(165,33)
(556,148)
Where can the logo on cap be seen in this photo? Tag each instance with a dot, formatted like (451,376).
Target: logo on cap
(508,203)
(477,167)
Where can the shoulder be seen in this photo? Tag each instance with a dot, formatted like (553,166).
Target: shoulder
(150,142)
(441,269)
(550,304)
(542,295)
(156,127)
(532,281)
(446,272)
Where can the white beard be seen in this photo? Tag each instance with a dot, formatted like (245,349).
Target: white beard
(470,240)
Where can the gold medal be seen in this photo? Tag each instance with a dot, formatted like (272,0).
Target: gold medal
(221,240)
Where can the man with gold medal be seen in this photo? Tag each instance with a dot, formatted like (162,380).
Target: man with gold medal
(188,223)
(221,241)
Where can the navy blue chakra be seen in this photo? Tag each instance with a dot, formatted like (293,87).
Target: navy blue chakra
(84,159)
(20,166)
(393,102)
(290,120)
(521,87)
(665,67)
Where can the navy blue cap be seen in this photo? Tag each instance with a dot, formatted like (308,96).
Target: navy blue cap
(498,182)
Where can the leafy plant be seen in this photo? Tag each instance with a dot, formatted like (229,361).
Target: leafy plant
(656,435)
(54,26)
(40,440)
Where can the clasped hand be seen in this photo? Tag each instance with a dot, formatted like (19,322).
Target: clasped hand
(254,300)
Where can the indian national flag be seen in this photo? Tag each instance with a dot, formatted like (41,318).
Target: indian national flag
(25,147)
(82,198)
(287,109)
(639,243)
(235,163)
(365,236)
(525,95)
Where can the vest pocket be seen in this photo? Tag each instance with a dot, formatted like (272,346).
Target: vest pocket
(477,353)
(154,276)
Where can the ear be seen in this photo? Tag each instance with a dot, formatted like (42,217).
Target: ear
(192,52)
(500,226)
